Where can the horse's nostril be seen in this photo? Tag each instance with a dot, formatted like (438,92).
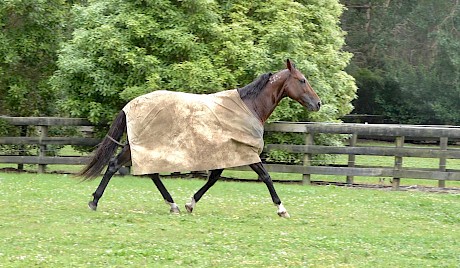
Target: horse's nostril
(319,104)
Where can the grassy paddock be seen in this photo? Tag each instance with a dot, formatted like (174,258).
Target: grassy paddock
(44,222)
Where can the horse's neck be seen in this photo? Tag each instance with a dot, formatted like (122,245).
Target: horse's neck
(265,103)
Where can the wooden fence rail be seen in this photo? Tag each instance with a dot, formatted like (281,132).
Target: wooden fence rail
(42,140)
(399,133)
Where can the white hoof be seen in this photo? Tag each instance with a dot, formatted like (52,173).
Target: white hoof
(282,212)
(174,208)
(175,211)
(189,206)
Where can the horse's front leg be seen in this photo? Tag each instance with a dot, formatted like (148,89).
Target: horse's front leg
(213,177)
(265,177)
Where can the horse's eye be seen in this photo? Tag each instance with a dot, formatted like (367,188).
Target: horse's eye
(302,81)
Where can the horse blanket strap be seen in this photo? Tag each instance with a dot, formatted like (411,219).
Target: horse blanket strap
(175,131)
(115,141)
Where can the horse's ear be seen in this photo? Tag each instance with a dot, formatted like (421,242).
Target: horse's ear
(290,65)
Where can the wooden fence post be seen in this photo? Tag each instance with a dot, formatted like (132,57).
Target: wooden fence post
(442,160)
(306,178)
(398,162)
(352,157)
(42,151)
(22,147)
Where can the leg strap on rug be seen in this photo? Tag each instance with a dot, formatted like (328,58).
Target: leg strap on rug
(115,141)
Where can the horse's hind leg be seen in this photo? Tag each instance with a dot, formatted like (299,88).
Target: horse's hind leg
(114,165)
(164,192)
(265,177)
(213,177)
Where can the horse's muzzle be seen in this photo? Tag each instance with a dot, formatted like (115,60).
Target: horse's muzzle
(318,106)
(311,105)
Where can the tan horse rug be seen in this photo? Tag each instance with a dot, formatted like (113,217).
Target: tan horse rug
(175,131)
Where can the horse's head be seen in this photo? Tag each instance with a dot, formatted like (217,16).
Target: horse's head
(297,88)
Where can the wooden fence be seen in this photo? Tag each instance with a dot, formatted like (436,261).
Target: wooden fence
(43,140)
(441,134)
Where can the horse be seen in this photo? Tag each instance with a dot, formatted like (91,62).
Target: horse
(259,98)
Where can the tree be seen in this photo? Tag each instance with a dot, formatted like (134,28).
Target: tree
(411,47)
(122,49)
(29,38)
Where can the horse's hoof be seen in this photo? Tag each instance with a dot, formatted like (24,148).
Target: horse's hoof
(284,214)
(175,211)
(92,205)
(189,207)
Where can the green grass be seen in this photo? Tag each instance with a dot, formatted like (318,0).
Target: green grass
(44,222)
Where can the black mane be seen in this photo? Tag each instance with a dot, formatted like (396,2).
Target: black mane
(252,90)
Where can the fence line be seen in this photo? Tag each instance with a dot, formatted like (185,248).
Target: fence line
(399,133)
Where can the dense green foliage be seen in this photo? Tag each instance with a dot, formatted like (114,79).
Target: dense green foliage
(122,49)
(44,222)
(407,60)
(29,39)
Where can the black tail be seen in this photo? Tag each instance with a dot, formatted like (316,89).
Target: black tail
(106,149)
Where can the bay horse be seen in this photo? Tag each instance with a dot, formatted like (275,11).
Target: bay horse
(260,97)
